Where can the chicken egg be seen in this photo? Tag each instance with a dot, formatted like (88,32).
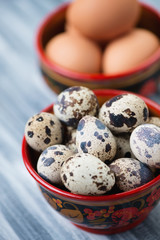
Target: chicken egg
(128,51)
(105,19)
(75,53)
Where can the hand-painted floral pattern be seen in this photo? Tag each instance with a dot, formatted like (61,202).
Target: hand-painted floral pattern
(91,215)
(105,217)
(122,216)
(58,202)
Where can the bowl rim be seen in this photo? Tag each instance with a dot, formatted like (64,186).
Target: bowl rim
(99,92)
(97,77)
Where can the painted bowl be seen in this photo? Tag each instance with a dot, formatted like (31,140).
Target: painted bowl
(106,214)
(142,79)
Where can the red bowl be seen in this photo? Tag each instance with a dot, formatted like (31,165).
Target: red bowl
(141,79)
(105,214)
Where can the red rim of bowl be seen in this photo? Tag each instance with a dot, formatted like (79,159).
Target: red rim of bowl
(99,92)
(82,76)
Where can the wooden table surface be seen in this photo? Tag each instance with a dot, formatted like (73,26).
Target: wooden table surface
(24,214)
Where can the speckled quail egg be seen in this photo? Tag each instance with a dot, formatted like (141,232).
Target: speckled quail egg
(43,130)
(124,112)
(130,173)
(95,138)
(87,175)
(123,146)
(74,103)
(154,120)
(145,144)
(50,161)
(71,143)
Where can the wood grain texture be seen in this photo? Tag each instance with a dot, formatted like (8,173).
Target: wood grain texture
(24,214)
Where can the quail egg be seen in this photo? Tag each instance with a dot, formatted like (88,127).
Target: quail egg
(124,112)
(71,143)
(43,130)
(74,103)
(123,146)
(95,138)
(50,161)
(87,175)
(130,173)
(154,120)
(145,144)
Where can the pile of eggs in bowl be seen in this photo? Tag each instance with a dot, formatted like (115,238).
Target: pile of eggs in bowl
(92,150)
(102,37)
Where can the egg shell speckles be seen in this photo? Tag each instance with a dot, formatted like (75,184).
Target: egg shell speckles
(50,161)
(43,130)
(95,138)
(130,173)
(74,103)
(123,113)
(145,144)
(123,146)
(87,175)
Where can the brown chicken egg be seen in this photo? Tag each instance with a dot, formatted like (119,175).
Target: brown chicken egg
(74,53)
(105,19)
(129,50)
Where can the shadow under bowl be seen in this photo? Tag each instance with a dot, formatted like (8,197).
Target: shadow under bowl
(105,214)
(142,79)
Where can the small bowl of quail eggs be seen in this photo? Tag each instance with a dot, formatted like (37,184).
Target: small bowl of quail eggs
(95,157)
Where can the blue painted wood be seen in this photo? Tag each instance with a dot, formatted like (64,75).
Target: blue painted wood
(24,214)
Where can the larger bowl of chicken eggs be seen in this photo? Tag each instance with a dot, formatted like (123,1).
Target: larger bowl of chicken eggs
(95,157)
(100,44)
